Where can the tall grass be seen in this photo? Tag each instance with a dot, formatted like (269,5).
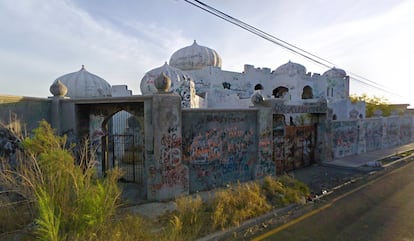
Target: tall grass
(231,207)
(188,220)
(71,202)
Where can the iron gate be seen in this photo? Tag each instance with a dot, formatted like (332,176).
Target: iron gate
(121,151)
(293,146)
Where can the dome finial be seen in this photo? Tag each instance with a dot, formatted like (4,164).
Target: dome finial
(162,83)
(58,89)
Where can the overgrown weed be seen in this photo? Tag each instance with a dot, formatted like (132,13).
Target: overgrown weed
(233,206)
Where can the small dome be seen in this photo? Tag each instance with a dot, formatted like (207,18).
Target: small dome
(195,57)
(147,83)
(83,84)
(335,73)
(291,69)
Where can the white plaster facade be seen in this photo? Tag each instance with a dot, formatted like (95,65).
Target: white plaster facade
(226,89)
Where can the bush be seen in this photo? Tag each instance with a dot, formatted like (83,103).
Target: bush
(284,190)
(189,220)
(231,207)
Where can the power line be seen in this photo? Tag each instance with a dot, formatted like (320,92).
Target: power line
(284,44)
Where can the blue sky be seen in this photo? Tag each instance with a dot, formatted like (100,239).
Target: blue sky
(121,40)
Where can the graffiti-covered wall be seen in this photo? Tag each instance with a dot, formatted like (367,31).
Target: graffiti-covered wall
(364,135)
(373,133)
(345,138)
(219,147)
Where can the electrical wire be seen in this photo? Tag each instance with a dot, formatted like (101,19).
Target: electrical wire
(286,45)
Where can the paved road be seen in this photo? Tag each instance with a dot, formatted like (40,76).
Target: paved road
(382,209)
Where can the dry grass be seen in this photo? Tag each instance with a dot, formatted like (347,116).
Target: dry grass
(68,202)
(231,207)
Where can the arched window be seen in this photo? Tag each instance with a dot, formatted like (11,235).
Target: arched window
(280,91)
(258,87)
(307,92)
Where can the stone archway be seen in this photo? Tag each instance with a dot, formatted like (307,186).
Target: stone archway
(116,132)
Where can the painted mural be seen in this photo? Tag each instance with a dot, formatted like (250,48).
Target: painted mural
(219,147)
(345,138)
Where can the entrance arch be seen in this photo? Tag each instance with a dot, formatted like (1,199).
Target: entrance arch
(123,145)
(116,132)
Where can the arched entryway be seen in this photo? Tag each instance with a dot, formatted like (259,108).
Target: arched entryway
(116,132)
(123,145)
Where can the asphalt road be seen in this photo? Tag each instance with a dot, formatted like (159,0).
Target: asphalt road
(381,209)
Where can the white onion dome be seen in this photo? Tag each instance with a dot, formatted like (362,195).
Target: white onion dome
(335,73)
(83,84)
(195,57)
(291,69)
(147,83)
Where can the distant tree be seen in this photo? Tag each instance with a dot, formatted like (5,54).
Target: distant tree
(374,103)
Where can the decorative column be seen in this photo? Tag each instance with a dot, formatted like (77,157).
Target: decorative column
(265,165)
(58,90)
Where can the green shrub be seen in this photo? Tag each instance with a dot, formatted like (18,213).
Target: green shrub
(71,201)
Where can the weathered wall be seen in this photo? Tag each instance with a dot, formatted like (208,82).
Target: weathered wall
(220,146)
(25,111)
(345,138)
(265,164)
(373,133)
(357,136)
(167,175)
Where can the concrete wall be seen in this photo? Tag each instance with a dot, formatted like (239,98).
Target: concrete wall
(220,147)
(357,136)
(24,111)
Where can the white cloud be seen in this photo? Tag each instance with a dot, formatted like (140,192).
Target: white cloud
(56,37)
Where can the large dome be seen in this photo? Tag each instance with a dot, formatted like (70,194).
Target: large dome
(195,57)
(147,83)
(291,69)
(83,84)
(335,73)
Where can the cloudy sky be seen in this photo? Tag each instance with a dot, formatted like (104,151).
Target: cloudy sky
(120,40)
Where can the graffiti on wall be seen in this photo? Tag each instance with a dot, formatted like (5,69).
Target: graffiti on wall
(373,134)
(345,138)
(265,165)
(168,176)
(170,168)
(219,147)
(405,129)
(293,145)
(392,131)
